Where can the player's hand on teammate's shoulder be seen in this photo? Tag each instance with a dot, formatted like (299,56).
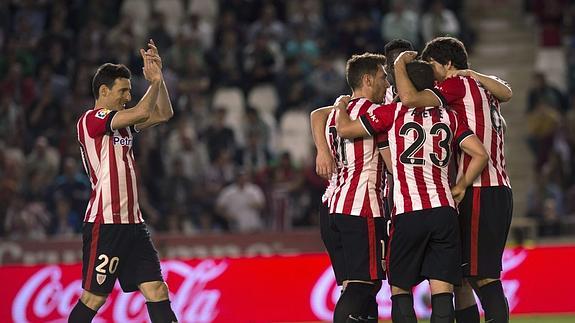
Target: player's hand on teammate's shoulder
(405,57)
(342,101)
(466,72)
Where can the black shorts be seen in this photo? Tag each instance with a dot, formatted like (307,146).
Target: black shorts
(484,218)
(355,246)
(122,251)
(423,245)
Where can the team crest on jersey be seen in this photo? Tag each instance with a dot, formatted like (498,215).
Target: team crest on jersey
(102,113)
(100,278)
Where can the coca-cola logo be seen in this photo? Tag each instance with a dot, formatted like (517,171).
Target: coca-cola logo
(325,292)
(45,298)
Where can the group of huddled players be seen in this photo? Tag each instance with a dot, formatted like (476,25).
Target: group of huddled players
(417,184)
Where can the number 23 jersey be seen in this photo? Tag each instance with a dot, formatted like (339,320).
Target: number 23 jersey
(420,142)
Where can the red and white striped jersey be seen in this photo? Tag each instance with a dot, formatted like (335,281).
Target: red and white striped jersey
(359,183)
(109,162)
(481,110)
(389,95)
(420,140)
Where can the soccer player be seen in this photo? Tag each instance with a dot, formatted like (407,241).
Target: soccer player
(391,50)
(485,212)
(116,242)
(424,241)
(355,225)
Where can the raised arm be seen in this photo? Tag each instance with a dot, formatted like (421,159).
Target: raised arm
(324,163)
(143,110)
(500,89)
(407,92)
(163,110)
(473,147)
(347,128)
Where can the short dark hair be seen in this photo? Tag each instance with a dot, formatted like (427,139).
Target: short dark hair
(396,45)
(421,74)
(446,49)
(107,75)
(359,65)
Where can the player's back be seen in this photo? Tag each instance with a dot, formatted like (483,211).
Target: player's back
(109,162)
(420,140)
(481,110)
(359,185)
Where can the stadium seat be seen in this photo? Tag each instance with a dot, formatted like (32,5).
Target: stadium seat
(208,10)
(552,62)
(232,100)
(295,135)
(264,98)
(273,140)
(173,11)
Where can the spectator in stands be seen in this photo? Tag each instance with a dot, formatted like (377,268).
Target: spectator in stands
(15,84)
(241,204)
(303,48)
(157,31)
(74,186)
(261,60)
(218,137)
(178,197)
(292,87)
(12,123)
(545,204)
(543,92)
(401,23)
(542,124)
(26,219)
(255,156)
(199,31)
(226,59)
(42,165)
(268,23)
(64,222)
(326,81)
(439,21)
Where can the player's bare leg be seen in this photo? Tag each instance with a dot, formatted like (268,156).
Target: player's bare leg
(355,301)
(466,309)
(158,302)
(402,306)
(87,307)
(493,300)
(441,301)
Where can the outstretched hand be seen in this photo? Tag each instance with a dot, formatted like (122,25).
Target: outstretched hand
(154,54)
(151,70)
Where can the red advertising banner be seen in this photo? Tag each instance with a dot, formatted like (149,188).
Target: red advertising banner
(267,289)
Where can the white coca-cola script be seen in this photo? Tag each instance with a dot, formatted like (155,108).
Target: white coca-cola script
(44,295)
(325,293)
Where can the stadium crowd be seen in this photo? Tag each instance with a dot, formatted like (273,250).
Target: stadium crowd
(551,117)
(243,76)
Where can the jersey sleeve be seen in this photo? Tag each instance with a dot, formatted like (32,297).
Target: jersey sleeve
(462,130)
(379,119)
(99,122)
(452,89)
(382,140)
